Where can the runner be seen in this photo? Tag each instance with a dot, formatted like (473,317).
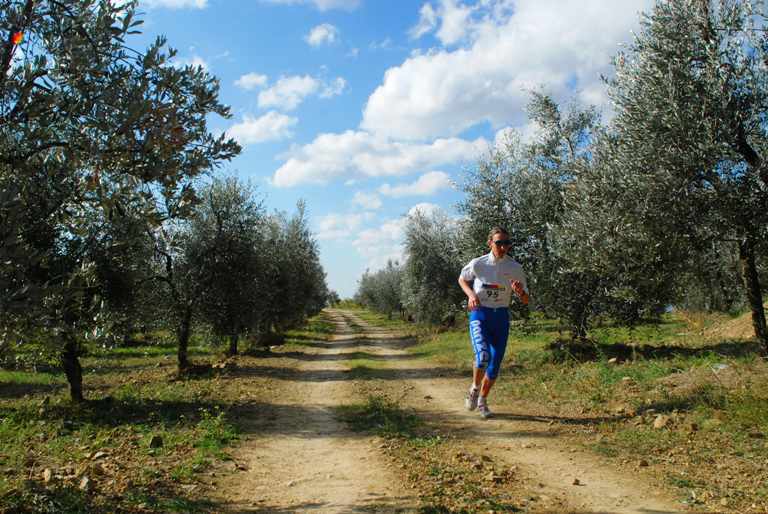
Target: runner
(489,282)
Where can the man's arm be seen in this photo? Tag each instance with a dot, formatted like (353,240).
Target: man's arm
(474,300)
(519,290)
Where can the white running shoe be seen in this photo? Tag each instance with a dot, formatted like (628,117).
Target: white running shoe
(471,401)
(485,412)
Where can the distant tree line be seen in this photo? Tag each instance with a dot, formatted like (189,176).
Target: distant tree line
(107,222)
(666,204)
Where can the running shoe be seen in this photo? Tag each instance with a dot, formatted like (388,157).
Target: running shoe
(485,412)
(471,402)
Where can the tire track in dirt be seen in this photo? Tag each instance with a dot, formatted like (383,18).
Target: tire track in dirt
(298,457)
(517,439)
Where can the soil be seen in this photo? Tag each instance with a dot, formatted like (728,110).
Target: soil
(299,456)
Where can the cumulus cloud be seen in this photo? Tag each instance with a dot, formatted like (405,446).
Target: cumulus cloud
(368,201)
(289,92)
(427,21)
(251,81)
(426,185)
(425,209)
(323,34)
(195,60)
(381,244)
(454,21)
(321,5)
(507,53)
(357,153)
(175,4)
(334,88)
(272,126)
(340,226)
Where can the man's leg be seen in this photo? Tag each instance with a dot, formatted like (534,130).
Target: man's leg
(478,376)
(479,339)
(486,386)
(498,332)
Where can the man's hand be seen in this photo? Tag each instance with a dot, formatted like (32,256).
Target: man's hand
(517,287)
(474,302)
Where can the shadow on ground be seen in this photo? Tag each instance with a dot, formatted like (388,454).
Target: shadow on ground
(592,350)
(356,373)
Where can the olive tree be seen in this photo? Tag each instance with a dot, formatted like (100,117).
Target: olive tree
(691,98)
(381,290)
(432,265)
(228,228)
(87,127)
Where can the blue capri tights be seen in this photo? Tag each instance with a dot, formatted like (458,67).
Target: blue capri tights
(488,331)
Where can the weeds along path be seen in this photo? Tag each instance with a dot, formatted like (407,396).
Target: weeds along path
(296,455)
(557,478)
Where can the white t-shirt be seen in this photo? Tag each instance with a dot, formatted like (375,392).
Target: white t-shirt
(493,279)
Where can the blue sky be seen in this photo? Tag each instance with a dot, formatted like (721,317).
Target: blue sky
(369,109)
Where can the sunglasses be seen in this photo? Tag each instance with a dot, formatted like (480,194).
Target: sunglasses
(503,242)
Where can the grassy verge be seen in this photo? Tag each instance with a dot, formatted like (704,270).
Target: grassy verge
(135,449)
(317,328)
(446,478)
(146,441)
(690,411)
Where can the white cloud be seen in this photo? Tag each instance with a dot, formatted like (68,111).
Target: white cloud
(386,241)
(426,209)
(508,52)
(353,52)
(427,21)
(426,185)
(384,44)
(340,226)
(289,92)
(368,201)
(251,81)
(322,34)
(453,26)
(381,244)
(526,134)
(272,126)
(175,4)
(357,153)
(195,60)
(335,88)
(321,5)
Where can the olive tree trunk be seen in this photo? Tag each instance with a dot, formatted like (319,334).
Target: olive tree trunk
(185,325)
(233,339)
(754,293)
(70,361)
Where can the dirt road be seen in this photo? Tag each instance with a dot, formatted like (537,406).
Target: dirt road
(301,458)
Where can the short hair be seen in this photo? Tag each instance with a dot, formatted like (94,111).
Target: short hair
(497,230)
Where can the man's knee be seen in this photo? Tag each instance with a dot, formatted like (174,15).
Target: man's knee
(483,358)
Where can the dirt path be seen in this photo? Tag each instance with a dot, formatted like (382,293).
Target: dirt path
(303,459)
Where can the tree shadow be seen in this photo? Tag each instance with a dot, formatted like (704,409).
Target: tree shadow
(563,420)
(590,350)
(379,505)
(320,357)
(12,390)
(356,373)
(399,343)
(111,412)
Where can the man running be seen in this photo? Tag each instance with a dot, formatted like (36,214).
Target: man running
(489,281)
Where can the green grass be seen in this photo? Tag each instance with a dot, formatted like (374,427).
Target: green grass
(382,416)
(318,327)
(40,428)
(673,371)
(27,378)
